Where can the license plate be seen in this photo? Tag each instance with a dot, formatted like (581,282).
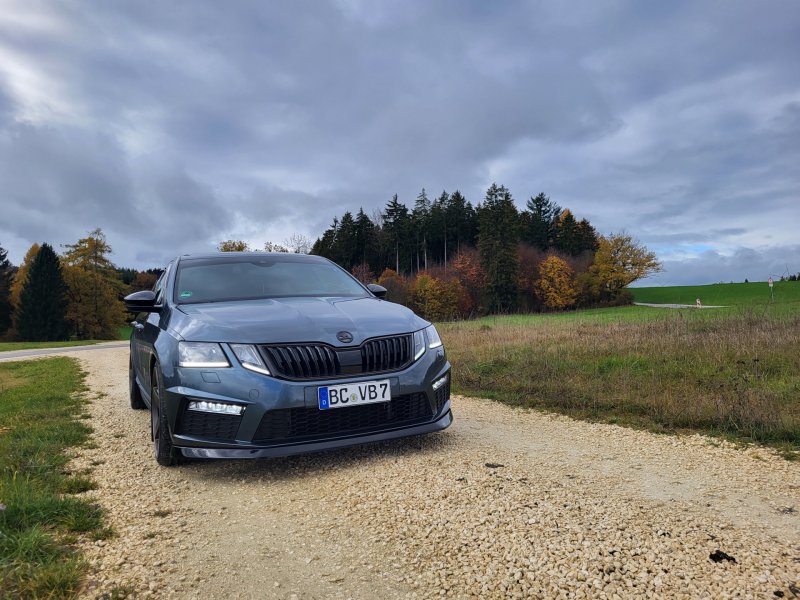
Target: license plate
(354,394)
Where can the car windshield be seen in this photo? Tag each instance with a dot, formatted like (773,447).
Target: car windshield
(220,280)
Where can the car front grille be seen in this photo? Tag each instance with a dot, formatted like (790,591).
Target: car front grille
(296,424)
(318,361)
(208,425)
(303,362)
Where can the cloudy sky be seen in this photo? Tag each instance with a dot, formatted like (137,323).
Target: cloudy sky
(174,125)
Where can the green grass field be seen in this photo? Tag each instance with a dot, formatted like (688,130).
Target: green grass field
(727,294)
(732,372)
(41,410)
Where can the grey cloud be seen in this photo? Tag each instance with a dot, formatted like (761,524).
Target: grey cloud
(179,124)
(754,264)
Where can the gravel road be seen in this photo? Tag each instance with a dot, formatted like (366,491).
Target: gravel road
(504,504)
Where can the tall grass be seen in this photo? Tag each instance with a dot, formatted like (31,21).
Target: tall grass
(738,375)
(40,407)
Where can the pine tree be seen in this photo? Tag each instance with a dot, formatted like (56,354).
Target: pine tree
(43,301)
(587,236)
(346,242)
(568,237)
(366,241)
(439,229)
(497,243)
(420,221)
(462,222)
(396,225)
(541,220)
(6,279)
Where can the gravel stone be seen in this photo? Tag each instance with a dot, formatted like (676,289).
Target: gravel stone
(578,510)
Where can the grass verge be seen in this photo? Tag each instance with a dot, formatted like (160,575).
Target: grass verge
(735,374)
(40,518)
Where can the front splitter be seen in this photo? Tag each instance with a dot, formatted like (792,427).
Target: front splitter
(309,447)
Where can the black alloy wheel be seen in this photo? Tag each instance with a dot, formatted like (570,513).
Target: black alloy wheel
(165,454)
(137,402)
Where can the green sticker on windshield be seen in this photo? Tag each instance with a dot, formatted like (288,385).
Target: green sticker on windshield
(186,294)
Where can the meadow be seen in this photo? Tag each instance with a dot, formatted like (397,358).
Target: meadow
(42,513)
(733,372)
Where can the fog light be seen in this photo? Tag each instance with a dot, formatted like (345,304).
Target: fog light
(222,408)
(441,381)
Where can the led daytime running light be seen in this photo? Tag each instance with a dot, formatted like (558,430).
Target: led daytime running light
(216,407)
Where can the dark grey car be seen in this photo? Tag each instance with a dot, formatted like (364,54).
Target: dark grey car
(248,355)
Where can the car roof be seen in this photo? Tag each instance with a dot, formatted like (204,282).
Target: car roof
(227,256)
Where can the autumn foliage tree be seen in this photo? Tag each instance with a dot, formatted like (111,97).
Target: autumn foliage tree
(94,310)
(233,246)
(620,260)
(557,283)
(435,299)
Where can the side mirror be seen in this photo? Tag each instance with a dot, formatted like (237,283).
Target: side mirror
(144,301)
(378,290)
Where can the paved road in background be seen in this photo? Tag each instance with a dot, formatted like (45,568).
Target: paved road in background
(17,354)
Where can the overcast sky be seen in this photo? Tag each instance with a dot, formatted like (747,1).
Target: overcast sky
(174,125)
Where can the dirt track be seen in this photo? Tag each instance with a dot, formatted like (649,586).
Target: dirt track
(503,504)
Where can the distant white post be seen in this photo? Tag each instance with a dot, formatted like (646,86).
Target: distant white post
(771,289)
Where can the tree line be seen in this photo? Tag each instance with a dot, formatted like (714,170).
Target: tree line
(449,259)
(446,258)
(74,295)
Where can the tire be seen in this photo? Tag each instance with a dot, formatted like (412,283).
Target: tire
(163,451)
(137,402)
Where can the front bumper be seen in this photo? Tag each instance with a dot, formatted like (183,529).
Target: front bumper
(281,417)
(306,447)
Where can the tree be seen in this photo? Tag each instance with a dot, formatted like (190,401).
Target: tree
(467,267)
(397,225)
(233,246)
(557,283)
(587,236)
(22,274)
(298,243)
(540,221)
(567,234)
(43,300)
(366,241)
(6,280)
(398,288)
(497,244)
(620,260)
(144,280)
(363,273)
(93,288)
(434,299)
(420,222)
(273,247)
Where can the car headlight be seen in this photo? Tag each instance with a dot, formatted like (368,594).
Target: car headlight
(250,358)
(419,343)
(426,338)
(434,341)
(204,355)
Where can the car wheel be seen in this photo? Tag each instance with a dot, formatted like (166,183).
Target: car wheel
(137,402)
(164,452)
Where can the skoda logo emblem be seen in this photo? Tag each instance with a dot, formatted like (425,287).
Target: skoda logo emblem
(345,337)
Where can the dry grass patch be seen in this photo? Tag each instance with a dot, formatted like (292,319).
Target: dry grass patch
(738,375)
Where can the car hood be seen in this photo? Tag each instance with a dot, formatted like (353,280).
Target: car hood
(284,320)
